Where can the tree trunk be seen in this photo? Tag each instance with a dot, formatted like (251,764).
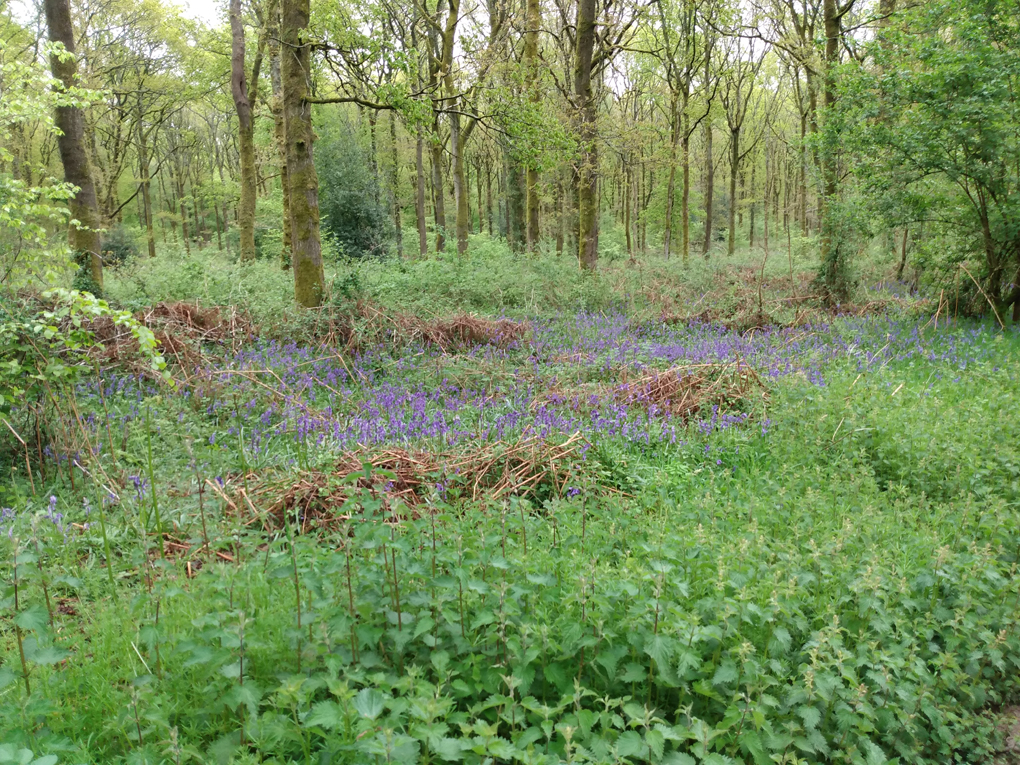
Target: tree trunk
(587,183)
(674,135)
(488,198)
(709,186)
(309,280)
(245,133)
(144,181)
(832,253)
(279,132)
(438,201)
(903,255)
(419,196)
(395,187)
(83,238)
(534,22)
(685,198)
(731,246)
(749,194)
(561,214)
(625,199)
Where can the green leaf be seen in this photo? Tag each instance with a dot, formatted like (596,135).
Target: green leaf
(727,673)
(678,758)
(6,678)
(369,703)
(810,716)
(656,742)
(751,743)
(44,654)
(450,749)
(630,743)
(325,714)
(32,618)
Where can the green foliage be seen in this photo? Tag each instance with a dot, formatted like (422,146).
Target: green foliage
(349,194)
(937,126)
(43,352)
(835,591)
(30,213)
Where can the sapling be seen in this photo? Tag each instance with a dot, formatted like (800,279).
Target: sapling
(350,597)
(42,573)
(152,484)
(17,627)
(297,592)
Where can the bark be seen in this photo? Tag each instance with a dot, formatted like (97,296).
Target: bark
(561,215)
(674,135)
(419,197)
(478,191)
(279,131)
(625,199)
(83,237)
(309,280)
(749,194)
(534,21)
(832,254)
(903,255)
(709,187)
(488,197)
(438,196)
(395,187)
(245,133)
(587,170)
(731,246)
(145,181)
(685,199)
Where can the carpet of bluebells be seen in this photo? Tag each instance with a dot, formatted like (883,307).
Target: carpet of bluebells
(273,393)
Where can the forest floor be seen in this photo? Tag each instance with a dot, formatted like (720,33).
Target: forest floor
(734,528)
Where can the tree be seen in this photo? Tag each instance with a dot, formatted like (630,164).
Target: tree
(306,247)
(245,95)
(738,93)
(937,129)
(85,224)
(587,175)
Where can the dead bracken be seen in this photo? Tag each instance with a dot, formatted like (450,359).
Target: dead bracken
(399,477)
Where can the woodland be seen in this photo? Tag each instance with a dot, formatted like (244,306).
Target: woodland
(509,381)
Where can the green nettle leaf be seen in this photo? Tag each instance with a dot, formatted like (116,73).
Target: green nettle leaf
(7,677)
(656,742)
(369,703)
(875,756)
(679,758)
(325,714)
(810,716)
(450,749)
(247,695)
(727,673)
(751,743)
(44,654)
(32,618)
(630,743)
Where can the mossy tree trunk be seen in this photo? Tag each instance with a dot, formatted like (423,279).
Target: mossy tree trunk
(587,177)
(83,236)
(309,280)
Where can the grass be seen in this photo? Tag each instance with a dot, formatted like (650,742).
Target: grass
(826,573)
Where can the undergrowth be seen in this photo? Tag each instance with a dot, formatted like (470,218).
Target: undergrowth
(819,567)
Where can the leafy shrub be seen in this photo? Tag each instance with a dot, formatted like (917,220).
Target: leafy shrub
(349,195)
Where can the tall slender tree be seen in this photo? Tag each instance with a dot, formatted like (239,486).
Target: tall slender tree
(309,279)
(83,234)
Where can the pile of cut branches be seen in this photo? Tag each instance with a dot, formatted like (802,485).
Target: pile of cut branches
(687,391)
(363,324)
(399,477)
